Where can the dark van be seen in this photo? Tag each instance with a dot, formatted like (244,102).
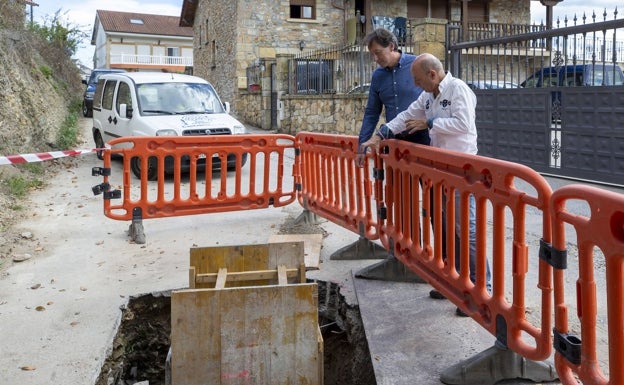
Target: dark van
(576,76)
(87,97)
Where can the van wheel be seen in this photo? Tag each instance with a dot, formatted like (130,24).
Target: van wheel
(152,167)
(99,143)
(85,111)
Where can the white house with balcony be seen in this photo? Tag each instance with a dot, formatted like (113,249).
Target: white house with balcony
(141,42)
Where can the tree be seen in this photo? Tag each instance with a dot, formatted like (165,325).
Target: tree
(60,32)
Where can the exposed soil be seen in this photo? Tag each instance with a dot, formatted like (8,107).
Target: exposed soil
(141,345)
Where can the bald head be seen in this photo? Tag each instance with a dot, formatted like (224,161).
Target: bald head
(428,72)
(428,62)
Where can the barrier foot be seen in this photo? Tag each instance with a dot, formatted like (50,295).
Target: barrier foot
(308,218)
(390,269)
(495,364)
(135,231)
(360,249)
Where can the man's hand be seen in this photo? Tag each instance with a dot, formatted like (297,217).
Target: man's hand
(372,143)
(413,125)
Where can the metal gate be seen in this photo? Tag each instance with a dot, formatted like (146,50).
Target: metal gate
(564,129)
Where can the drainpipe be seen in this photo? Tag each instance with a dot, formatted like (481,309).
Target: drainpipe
(464,20)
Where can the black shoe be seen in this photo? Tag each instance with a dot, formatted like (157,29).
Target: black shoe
(436,294)
(460,313)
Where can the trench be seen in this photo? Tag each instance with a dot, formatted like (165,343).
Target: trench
(140,346)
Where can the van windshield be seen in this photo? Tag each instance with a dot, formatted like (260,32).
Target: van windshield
(178,98)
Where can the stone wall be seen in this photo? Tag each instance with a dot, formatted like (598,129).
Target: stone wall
(233,36)
(430,36)
(334,114)
(510,12)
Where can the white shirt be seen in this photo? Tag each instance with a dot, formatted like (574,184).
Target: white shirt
(452,112)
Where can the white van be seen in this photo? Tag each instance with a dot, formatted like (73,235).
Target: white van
(159,104)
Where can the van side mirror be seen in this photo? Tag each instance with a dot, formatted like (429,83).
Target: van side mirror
(226,105)
(124,111)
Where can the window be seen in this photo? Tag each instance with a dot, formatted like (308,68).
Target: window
(550,80)
(97,98)
(136,21)
(314,76)
(302,9)
(123,97)
(427,8)
(173,51)
(107,97)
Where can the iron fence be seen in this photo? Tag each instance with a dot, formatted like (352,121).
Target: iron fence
(565,119)
(513,58)
(339,69)
(331,70)
(347,69)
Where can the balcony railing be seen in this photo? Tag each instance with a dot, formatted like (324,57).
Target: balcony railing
(482,31)
(150,60)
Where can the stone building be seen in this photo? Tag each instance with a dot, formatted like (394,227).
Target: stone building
(231,38)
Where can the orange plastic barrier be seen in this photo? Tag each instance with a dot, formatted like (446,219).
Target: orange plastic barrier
(603,228)
(197,191)
(411,171)
(394,200)
(332,186)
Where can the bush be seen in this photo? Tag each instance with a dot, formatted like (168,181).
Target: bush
(68,134)
(18,186)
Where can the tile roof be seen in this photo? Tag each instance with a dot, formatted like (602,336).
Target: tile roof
(114,21)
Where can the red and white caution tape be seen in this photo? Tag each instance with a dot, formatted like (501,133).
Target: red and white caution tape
(41,156)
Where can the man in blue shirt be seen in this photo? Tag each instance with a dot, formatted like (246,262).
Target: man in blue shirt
(391,87)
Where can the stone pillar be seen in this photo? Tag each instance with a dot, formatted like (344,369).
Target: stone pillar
(429,35)
(281,85)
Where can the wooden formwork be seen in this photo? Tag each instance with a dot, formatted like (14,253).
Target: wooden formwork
(249,317)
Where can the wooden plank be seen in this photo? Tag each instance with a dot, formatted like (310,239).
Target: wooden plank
(282,279)
(234,258)
(221,278)
(192,278)
(245,258)
(311,246)
(246,276)
(259,334)
(290,254)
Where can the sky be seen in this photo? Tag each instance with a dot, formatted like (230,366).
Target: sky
(81,13)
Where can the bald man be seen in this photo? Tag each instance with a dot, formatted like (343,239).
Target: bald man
(446,109)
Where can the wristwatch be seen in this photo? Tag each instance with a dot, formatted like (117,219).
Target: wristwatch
(383,132)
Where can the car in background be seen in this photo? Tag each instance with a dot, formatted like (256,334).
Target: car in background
(579,75)
(161,104)
(87,97)
(496,84)
(363,89)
